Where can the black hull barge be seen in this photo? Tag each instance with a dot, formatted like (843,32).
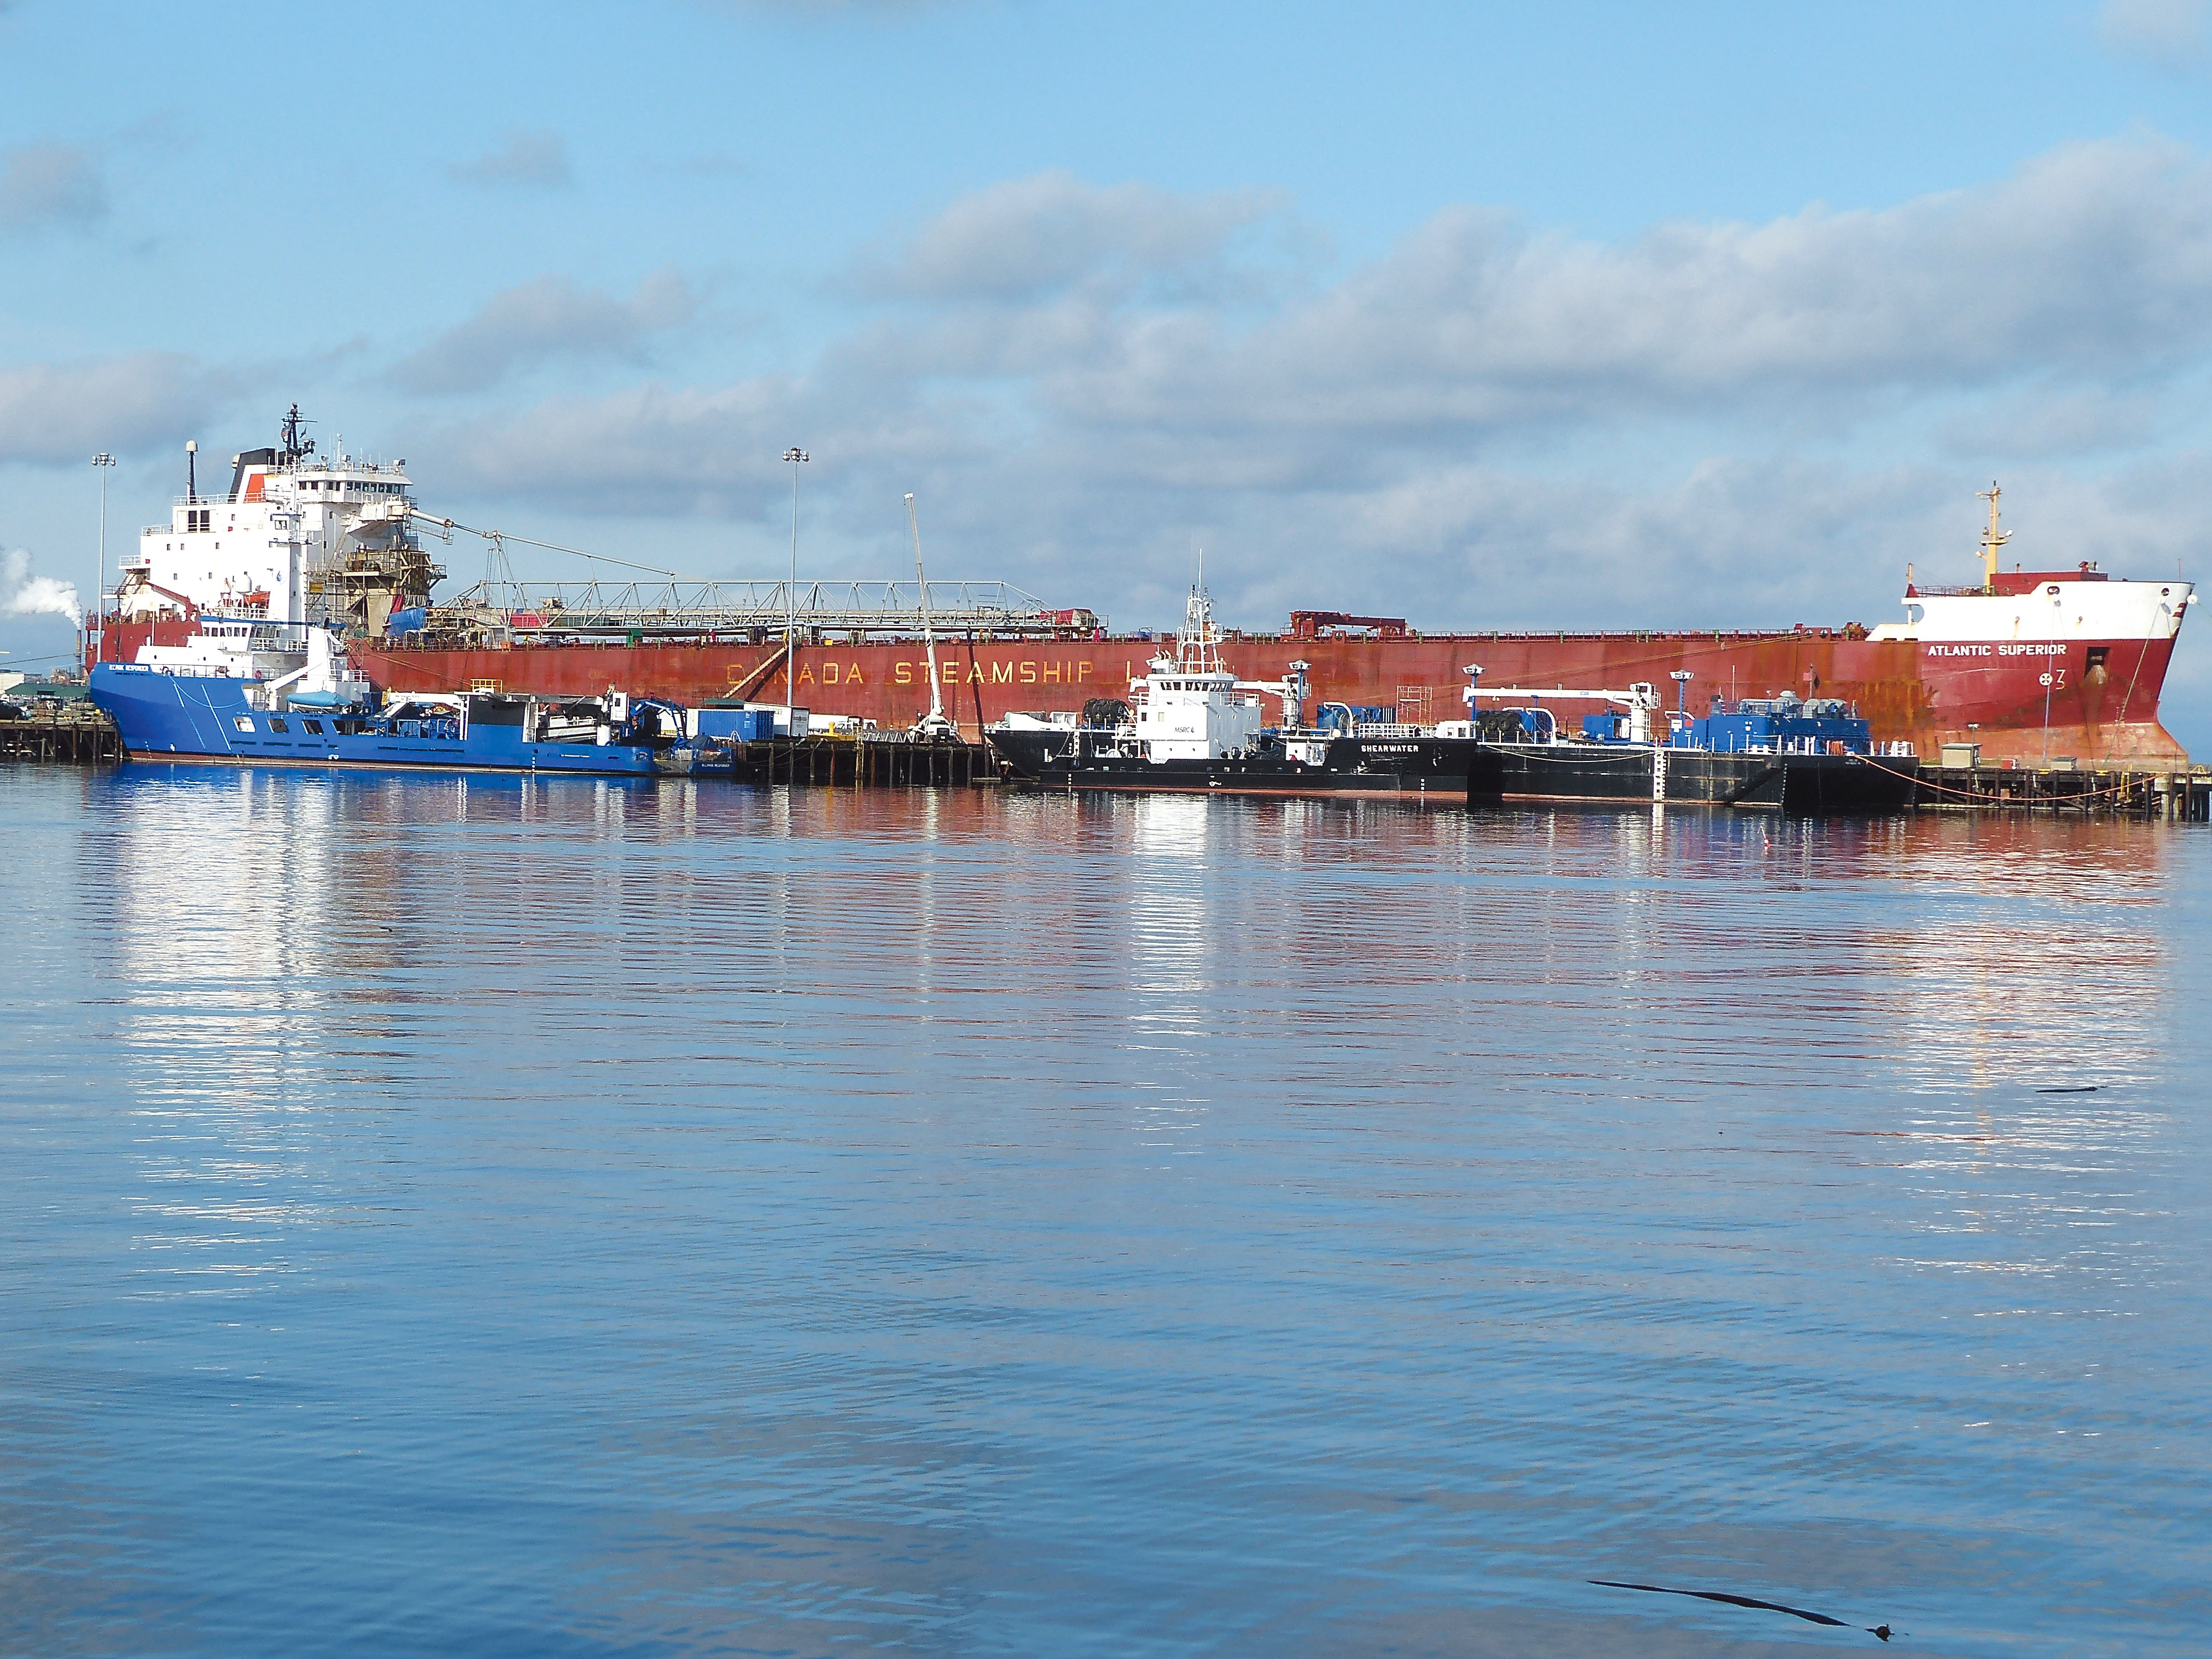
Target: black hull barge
(1779,754)
(1803,785)
(1424,769)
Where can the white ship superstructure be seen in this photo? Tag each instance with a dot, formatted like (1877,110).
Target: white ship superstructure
(1192,706)
(298,539)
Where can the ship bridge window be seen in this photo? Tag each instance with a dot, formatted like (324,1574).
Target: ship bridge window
(243,722)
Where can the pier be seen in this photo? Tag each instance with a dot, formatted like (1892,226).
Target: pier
(889,762)
(76,733)
(79,734)
(2178,794)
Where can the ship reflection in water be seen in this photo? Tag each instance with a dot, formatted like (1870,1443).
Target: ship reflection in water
(498,1214)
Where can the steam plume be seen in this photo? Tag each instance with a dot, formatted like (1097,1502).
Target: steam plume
(22,594)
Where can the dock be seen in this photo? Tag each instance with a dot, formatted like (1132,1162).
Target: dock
(862,762)
(2177,794)
(76,733)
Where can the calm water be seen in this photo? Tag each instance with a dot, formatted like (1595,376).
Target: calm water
(495,1217)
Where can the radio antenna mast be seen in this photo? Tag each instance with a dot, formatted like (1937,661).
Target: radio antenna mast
(1992,538)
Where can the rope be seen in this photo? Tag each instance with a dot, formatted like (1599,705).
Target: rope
(2134,781)
(2149,634)
(1563,760)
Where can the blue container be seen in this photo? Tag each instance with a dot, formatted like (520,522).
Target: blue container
(743,725)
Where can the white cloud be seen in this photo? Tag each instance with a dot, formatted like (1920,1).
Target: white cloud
(552,317)
(1030,236)
(50,183)
(62,412)
(2171,33)
(2094,261)
(537,159)
(22,594)
(1490,425)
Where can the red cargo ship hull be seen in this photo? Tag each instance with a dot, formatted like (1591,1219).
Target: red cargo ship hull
(2103,711)
(2102,705)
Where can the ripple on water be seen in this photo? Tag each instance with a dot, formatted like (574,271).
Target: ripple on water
(558,1216)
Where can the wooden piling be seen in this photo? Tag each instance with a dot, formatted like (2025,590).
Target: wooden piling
(74,734)
(2180,796)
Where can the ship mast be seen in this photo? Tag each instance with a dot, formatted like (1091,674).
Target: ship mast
(292,444)
(1992,538)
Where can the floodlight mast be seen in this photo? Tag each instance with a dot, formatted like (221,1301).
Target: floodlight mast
(932,725)
(797,457)
(95,640)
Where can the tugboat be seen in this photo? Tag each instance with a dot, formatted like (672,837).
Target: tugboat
(1192,726)
(1782,753)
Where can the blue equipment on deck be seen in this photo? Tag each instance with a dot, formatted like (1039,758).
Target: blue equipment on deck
(1786,724)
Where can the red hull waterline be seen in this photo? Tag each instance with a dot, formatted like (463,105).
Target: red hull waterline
(2100,706)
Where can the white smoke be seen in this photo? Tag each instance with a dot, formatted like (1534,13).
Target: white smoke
(22,594)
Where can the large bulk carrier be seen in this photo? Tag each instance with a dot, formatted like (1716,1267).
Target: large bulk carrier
(2033,665)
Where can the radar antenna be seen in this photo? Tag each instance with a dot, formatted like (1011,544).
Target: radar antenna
(292,444)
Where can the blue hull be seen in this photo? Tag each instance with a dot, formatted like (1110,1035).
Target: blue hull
(179,717)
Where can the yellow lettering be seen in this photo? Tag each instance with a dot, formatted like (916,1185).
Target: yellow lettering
(1002,674)
(1085,673)
(1052,673)
(853,674)
(952,673)
(974,675)
(1028,673)
(806,677)
(903,673)
(829,673)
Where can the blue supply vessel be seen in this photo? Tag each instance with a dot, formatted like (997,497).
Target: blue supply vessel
(220,698)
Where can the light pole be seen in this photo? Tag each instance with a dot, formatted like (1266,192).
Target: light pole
(2050,668)
(101,463)
(797,457)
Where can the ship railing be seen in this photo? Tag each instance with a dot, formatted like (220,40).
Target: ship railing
(680,607)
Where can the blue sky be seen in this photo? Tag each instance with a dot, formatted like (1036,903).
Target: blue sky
(1584,314)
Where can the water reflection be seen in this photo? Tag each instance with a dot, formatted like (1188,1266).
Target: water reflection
(983,1221)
